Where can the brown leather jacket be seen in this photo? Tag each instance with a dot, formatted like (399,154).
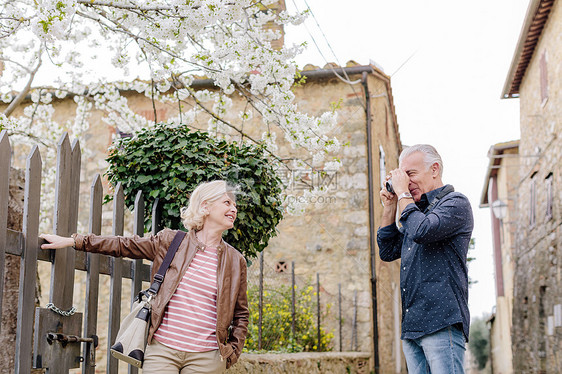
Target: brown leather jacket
(232,302)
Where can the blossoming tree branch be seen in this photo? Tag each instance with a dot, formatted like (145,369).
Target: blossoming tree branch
(171,42)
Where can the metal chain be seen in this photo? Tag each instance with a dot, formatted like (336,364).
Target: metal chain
(68,313)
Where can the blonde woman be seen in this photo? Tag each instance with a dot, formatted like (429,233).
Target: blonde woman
(200,315)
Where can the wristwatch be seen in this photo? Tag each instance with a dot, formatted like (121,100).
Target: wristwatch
(405,195)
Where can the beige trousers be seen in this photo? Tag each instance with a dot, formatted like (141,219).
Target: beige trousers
(160,359)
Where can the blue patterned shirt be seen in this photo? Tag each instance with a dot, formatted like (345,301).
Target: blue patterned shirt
(433,249)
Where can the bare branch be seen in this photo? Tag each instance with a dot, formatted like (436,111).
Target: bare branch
(111,4)
(154,102)
(243,134)
(15,63)
(6,32)
(121,29)
(17,101)
(32,117)
(29,135)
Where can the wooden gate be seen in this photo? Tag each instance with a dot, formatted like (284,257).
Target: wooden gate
(56,337)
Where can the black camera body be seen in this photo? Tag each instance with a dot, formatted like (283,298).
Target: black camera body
(388,186)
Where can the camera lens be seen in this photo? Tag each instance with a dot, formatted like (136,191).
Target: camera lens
(389,186)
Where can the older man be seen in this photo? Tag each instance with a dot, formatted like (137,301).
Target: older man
(432,243)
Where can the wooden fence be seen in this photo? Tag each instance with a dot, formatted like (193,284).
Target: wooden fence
(55,337)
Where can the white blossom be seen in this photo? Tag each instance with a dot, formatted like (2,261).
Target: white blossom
(158,48)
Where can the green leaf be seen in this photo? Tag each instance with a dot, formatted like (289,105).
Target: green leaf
(144,178)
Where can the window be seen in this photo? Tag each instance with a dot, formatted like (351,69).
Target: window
(382,165)
(548,182)
(533,201)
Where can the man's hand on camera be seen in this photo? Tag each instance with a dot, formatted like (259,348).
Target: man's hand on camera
(388,199)
(400,181)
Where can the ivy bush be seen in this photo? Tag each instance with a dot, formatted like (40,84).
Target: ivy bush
(169,162)
(276,321)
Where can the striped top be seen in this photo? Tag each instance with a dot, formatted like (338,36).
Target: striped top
(190,319)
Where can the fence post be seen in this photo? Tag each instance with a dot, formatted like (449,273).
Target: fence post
(136,281)
(339,312)
(92,277)
(62,273)
(5,161)
(138,229)
(156,216)
(116,279)
(75,159)
(293,304)
(318,309)
(28,271)
(260,320)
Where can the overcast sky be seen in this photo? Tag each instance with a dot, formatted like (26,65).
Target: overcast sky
(448,61)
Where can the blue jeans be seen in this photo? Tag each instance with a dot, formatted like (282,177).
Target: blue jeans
(439,353)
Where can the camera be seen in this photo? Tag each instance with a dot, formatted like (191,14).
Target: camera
(388,186)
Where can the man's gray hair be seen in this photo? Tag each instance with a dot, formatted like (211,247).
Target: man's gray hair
(431,155)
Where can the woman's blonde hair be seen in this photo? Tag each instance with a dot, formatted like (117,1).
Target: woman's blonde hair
(194,215)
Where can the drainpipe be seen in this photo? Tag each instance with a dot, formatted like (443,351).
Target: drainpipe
(496,237)
(371,220)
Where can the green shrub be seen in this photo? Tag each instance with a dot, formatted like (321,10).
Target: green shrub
(169,162)
(276,321)
(479,343)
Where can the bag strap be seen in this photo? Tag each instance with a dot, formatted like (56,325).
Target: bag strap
(448,188)
(159,276)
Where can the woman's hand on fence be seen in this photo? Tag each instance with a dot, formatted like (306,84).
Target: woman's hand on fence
(56,241)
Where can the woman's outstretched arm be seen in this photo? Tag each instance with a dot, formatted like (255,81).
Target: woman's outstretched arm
(56,241)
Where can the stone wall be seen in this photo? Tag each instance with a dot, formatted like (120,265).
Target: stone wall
(537,326)
(302,363)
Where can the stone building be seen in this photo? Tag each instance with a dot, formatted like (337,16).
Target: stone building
(534,77)
(336,236)
(500,194)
